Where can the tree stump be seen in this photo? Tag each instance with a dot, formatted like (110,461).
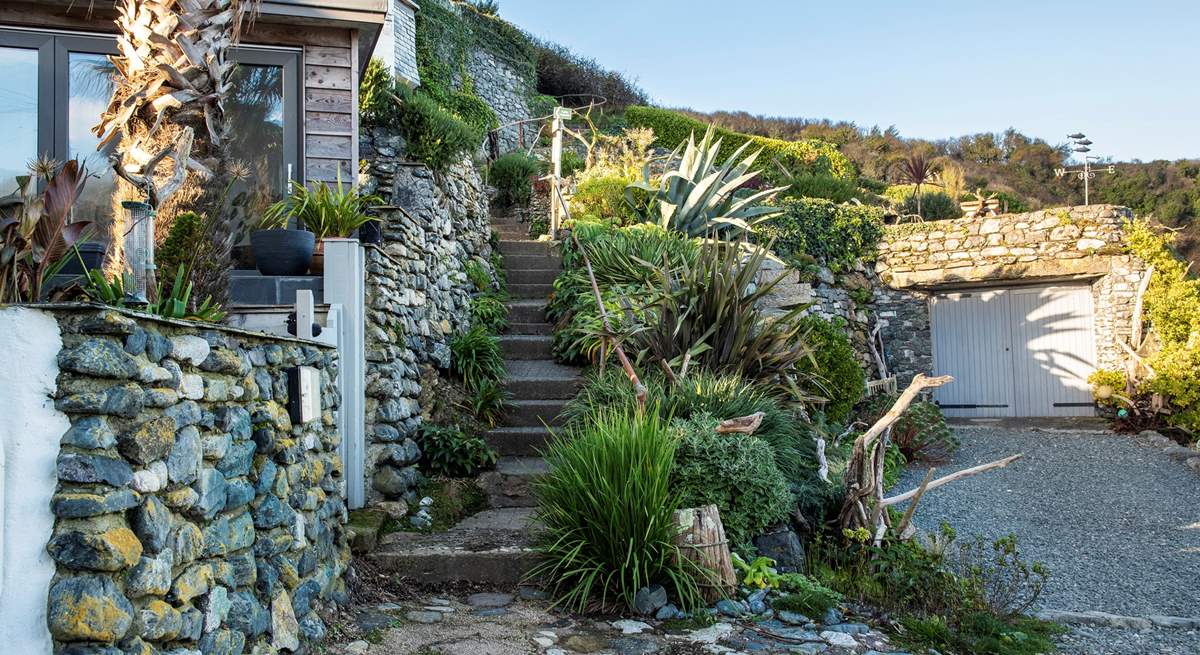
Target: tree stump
(702,540)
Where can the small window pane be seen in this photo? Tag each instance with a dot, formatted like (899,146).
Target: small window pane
(18,114)
(90,87)
(256,119)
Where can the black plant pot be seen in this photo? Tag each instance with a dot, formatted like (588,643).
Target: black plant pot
(92,255)
(371,232)
(282,252)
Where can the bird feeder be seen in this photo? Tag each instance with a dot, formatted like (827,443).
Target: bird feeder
(139,250)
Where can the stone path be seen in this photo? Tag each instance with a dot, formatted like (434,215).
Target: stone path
(521,623)
(1114,518)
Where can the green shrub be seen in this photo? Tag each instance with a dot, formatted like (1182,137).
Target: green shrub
(453,453)
(572,163)
(804,595)
(838,236)
(721,396)
(489,311)
(935,205)
(606,509)
(807,156)
(475,356)
(603,198)
(828,187)
(833,367)
(734,472)
(433,135)
(512,175)
(178,248)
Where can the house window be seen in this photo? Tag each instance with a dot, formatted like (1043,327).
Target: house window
(53,88)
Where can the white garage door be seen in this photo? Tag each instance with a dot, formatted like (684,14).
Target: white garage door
(1024,351)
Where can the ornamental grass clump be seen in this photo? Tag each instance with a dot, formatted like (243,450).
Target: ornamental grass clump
(606,509)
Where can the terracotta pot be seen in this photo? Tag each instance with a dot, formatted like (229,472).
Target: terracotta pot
(317,266)
(282,252)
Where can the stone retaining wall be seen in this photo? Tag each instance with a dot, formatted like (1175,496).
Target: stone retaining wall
(505,90)
(418,296)
(191,512)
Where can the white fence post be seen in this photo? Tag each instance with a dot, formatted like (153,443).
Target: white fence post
(345,286)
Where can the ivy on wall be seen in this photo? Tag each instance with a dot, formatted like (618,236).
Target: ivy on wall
(447,33)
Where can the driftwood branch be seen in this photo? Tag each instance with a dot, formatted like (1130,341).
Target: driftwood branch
(741,425)
(1135,328)
(915,494)
(862,507)
(902,527)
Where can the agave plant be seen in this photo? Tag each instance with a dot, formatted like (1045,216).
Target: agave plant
(172,302)
(35,235)
(699,198)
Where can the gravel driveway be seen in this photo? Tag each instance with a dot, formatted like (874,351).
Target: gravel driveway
(1116,522)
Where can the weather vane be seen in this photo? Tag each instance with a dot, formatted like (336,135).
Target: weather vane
(1087,172)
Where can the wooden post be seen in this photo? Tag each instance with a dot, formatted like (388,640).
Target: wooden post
(556,144)
(702,540)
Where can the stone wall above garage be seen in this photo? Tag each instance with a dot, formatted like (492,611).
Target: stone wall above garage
(190,511)
(1051,244)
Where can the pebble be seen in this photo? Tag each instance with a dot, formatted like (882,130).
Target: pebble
(794,618)
(631,627)
(839,639)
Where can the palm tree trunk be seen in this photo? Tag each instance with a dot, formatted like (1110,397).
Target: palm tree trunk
(167,112)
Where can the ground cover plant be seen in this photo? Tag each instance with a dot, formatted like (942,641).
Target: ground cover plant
(606,507)
(451,452)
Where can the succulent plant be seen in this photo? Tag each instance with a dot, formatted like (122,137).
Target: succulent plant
(699,198)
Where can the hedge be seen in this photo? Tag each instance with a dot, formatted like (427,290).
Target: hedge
(807,156)
(837,235)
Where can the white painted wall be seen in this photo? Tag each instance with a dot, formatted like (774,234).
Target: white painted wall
(30,431)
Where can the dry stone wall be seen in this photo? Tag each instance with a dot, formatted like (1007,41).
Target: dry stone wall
(192,513)
(418,296)
(498,83)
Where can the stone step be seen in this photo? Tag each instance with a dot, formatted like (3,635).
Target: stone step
(510,483)
(540,291)
(541,328)
(517,247)
(511,230)
(541,380)
(526,262)
(526,311)
(532,276)
(518,441)
(526,346)
(535,413)
(492,547)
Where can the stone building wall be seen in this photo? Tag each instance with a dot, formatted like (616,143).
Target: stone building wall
(191,513)
(1080,244)
(418,295)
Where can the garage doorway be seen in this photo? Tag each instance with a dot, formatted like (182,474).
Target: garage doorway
(1020,351)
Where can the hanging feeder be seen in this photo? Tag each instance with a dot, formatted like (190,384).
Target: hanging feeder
(139,250)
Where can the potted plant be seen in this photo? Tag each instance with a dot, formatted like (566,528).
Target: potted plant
(280,250)
(329,212)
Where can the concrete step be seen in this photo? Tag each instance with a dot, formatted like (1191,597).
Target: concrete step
(526,262)
(535,413)
(518,441)
(526,346)
(518,247)
(532,276)
(526,311)
(491,547)
(540,291)
(510,483)
(541,380)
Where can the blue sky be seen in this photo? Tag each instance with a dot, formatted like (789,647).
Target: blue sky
(1125,73)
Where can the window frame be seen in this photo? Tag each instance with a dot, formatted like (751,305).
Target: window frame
(53,110)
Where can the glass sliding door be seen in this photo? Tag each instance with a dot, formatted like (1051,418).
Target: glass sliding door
(87,82)
(22,123)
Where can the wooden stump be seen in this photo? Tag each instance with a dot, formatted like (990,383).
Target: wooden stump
(702,540)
